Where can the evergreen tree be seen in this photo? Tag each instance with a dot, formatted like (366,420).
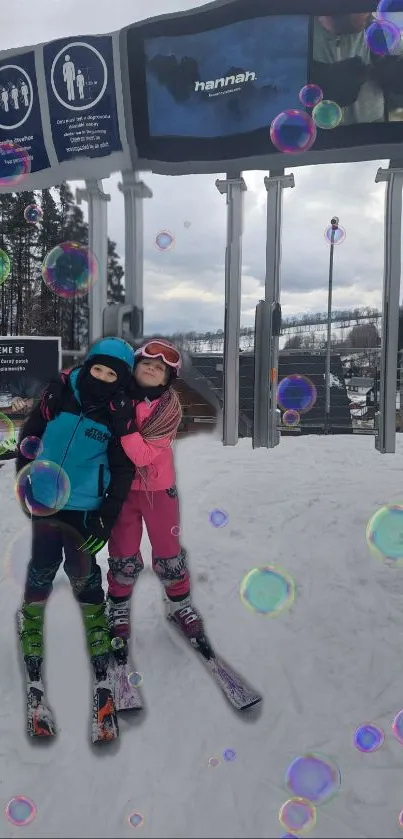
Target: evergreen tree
(27,305)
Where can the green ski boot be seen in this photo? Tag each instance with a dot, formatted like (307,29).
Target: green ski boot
(39,716)
(105,726)
(30,619)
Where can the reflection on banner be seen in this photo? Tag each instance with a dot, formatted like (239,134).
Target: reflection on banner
(367,85)
(82,97)
(20,116)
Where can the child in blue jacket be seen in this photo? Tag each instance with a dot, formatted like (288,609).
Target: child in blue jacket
(75,422)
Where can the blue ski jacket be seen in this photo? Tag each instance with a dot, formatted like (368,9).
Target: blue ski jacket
(83,446)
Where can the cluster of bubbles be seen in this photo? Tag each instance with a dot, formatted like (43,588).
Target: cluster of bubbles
(42,488)
(33,214)
(164,240)
(312,779)
(7,432)
(384,34)
(369,737)
(228,755)
(294,131)
(70,270)
(218,518)
(296,395)
(267,590)
(20,810)
(384,534)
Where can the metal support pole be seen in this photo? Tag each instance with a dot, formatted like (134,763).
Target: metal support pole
(98,245)
(134,191)
(335,224)
(401,390)
(275,184)
(385,440)
(233,188)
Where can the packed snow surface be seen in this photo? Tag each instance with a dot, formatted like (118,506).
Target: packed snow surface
(330,663)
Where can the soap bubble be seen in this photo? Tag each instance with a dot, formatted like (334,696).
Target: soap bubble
(5,266)
(297,814)
(70,270)
(164,240)
(291,417)
(42,488)
(397,727)
(314,777)
(135,679)
(391,11)
(175,530)
(310,95)
(187,224)
(15,164)
(31,447)
(382,37)
(117,643)
(384,533)
(229,755)
(7,432)
(400,819)
(368,738)
(327,114)
(339,235)
(33,214)
(136,819)
(218,518)
(20,810)
(213,762)
(296,393)
(293,132)
(267,590)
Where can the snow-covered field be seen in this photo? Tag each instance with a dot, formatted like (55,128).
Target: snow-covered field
(331,663)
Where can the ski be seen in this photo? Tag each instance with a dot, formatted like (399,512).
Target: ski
(40,719)
(127,695)
(105,727)
(234,687)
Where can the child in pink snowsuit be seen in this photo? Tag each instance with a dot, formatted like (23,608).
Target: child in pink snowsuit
(153,499)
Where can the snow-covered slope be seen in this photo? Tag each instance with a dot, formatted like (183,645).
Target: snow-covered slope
(331,663)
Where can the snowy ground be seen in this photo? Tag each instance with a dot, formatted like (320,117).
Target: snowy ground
(331,663)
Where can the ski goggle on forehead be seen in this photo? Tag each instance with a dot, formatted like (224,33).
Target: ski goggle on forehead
(159,349)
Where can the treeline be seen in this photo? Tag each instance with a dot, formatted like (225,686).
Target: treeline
(27,306)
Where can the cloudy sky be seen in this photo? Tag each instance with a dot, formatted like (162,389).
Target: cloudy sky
(184,288)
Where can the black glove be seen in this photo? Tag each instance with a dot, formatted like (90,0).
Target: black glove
(96,532)
(52,398)
(123,414)
(341,81)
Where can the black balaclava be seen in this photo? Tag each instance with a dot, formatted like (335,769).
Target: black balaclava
(140,393)
(94,392)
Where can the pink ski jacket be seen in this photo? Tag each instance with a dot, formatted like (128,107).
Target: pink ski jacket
(154,460)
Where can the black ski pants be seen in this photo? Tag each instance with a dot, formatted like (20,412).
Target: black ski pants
(51,537)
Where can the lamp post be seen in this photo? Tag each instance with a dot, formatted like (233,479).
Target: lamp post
(334,222)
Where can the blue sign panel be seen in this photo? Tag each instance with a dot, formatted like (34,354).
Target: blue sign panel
(80,83)
(20,116)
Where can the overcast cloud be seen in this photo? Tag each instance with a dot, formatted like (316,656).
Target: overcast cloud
(184,288)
